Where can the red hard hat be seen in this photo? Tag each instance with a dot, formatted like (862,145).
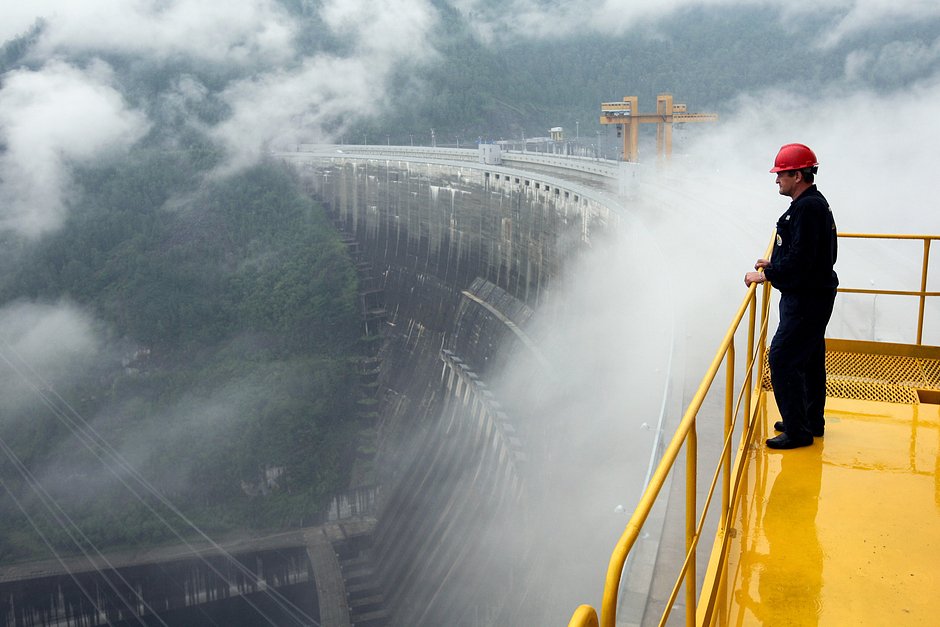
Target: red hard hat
(794,157)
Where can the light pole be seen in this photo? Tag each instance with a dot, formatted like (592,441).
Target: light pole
(433,141)
(577,130)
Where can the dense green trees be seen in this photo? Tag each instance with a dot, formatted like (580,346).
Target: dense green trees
(706,56)
(230,316)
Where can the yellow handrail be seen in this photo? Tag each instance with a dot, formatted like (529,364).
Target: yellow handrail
(685,428)
(925,262)
(699,611)
(584,616)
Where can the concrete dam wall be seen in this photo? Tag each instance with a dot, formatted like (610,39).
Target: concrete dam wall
(455,260)
(455,257)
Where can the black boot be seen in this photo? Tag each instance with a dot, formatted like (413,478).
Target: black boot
(783,441)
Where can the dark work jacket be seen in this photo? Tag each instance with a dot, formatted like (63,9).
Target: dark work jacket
(806,246)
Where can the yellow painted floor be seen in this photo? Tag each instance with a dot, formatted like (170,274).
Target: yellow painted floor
(845,532)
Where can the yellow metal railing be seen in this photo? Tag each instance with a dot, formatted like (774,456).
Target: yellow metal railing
(584,616)
(922,294)
(700,610)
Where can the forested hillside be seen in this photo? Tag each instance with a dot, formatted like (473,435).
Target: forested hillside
(706,56)
(231,329)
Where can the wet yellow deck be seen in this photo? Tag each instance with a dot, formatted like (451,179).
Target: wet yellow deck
(845,532)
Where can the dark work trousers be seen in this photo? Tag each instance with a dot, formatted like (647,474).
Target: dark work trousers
(798,360)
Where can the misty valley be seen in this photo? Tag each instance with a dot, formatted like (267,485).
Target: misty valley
(278,345)
(225,353)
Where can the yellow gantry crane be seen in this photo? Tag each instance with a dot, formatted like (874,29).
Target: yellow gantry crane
(627,113)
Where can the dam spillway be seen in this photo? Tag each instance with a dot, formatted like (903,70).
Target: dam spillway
(458,255)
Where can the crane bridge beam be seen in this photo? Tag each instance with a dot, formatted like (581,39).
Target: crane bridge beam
(627,116)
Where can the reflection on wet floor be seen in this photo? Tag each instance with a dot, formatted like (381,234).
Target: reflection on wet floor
(846,531)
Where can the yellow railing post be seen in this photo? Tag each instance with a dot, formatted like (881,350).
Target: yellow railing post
(762,348)
(923,292)
(752,369)
(726,461)
(691,464)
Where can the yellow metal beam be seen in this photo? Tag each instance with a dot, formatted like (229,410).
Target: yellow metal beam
(627,115)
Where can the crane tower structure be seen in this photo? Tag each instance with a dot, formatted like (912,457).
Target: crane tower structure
(627,113)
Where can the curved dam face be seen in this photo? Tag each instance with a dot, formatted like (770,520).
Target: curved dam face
(453,223)
(454,260)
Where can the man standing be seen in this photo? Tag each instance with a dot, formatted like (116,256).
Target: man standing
(801,267)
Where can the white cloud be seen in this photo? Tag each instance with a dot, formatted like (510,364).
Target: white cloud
(862,16)
(59,112)
(209,30)
(294,105)
(48,118)
(896,62)
(718,203)
(42,346)
(291,106)
(385,31)
(876,150)
(44,334)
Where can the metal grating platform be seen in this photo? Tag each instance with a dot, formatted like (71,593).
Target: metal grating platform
(875,377)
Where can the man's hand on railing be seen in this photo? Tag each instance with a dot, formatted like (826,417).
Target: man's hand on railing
(756,277)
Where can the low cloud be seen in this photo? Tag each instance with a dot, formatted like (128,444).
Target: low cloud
(671,281)
(897,63)
(314,102)
(278,96)
(856,17)
(389,31)
(49,118)
(719,201)
(876,174)
(285,107)
(42,347)
(207,30)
